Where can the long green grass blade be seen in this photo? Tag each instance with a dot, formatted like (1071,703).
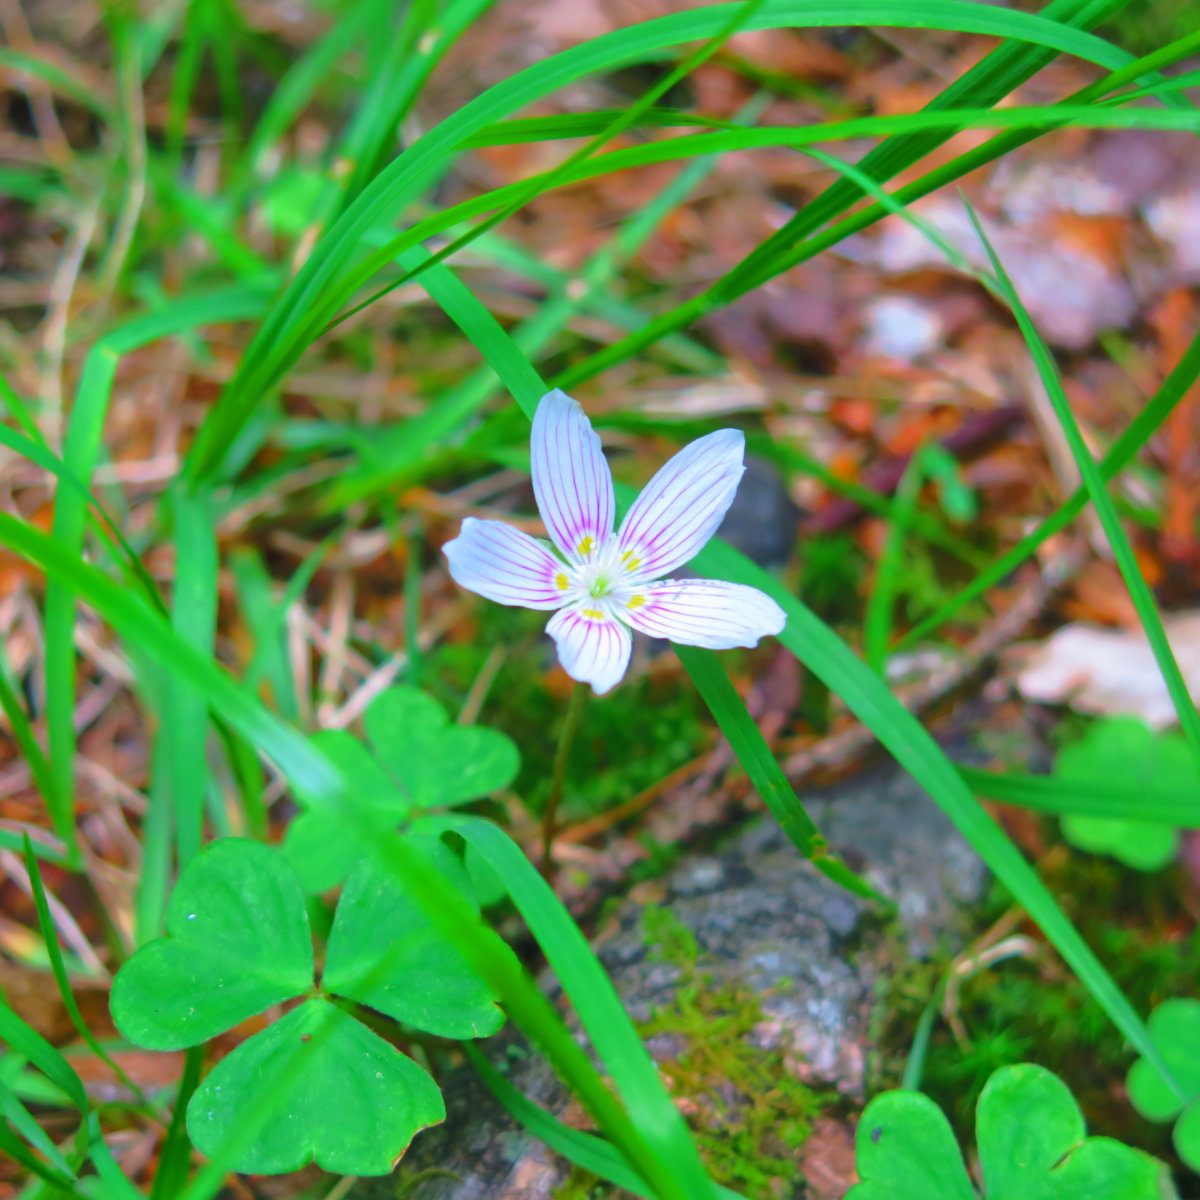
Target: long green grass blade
(80,452)
(1139,589)
(287,330)
(764,770)
(1096,798)
(868,697)
(583,1149)
(1139,431)
(194,617)
(600,1010)
(59,970)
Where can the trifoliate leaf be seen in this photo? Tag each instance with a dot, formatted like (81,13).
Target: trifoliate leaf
(237,942)
(317,1086)
(1032,1146)
(417,761)
(1123,750)
(385,952)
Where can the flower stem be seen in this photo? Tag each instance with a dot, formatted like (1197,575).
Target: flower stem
(565,737)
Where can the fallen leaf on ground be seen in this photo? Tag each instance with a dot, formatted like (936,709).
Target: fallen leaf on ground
(1109,671)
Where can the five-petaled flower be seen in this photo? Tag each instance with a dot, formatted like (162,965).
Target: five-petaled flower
(606,581)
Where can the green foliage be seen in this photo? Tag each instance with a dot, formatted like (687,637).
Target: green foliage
(1175,1028)
(417,763)
(1123,751)
(656,726)
(317,1085)
(1032,1146)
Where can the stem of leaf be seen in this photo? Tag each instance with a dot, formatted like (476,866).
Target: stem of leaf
(565,737)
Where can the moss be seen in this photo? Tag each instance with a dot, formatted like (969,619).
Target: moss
(747,1111)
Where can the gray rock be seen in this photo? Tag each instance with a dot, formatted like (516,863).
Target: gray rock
(762,919)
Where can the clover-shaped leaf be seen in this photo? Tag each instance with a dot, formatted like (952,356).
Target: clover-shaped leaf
(237,942)
(905,1147)
(1032,1146)
(383,952)
(1123,750)
(347,1099)
(1175,1030)
(418,761)
(316,1085)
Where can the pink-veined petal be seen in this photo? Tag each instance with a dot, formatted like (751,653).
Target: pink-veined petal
(505,565)
(680,508)
(571,480)
(592,646)
(704,612)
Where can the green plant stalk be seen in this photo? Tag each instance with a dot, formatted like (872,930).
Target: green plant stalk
(877,624)
(765,773)
(176,1156)
(566,736)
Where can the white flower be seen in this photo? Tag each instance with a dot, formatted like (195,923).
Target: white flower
(607,582)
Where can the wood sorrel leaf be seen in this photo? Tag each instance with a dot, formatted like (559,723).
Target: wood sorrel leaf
(1032,1146)
(417,761)
(385,952)
(237,942)
(436,764)
(1124,750)
(324,1088)
(905,1147)
(1175,1030)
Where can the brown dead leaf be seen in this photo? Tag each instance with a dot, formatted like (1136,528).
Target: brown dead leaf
(828,1160)
(1109,672)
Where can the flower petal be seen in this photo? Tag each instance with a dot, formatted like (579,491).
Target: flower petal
(593,647)
(505,565)
(680,508)
(704,612)
(571,480)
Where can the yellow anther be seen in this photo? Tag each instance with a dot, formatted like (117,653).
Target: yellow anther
(631,563)
(635,602)
(562,581)
(586,545)
(594,613)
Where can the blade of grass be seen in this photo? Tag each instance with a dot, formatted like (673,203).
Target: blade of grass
(1091,798)
(30,1044)
(1139,589)
(59,970)
(20,1118)
(294,320)
(814,243)
(748,743)
(601,1013)
(867,696)
(1175,387)
(194,617)
(80,452)
(583,1149)
(22,732)
(877,623)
